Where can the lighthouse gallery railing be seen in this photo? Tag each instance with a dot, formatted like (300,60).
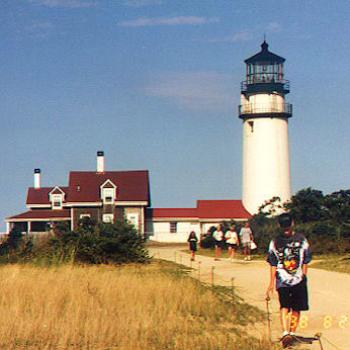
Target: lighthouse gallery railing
(255,108)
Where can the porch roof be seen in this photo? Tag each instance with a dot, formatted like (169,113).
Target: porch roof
(40,215)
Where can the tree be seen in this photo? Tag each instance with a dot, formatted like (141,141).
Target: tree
(338,207)
(12,241)
(271,207)
(14,238)
(307,205)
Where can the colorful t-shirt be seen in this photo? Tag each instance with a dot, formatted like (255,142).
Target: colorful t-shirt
(289,254)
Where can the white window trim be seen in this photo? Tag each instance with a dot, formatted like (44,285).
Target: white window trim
(110,219)
(84,215)
(57,198)
(108,192)
(136,224)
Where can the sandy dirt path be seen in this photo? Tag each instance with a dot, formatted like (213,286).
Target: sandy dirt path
(329,294)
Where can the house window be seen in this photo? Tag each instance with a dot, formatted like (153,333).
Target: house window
(56,201)
(173,227)
(133,219)
(82,216)
(108,218)
(108,200)
(108,195)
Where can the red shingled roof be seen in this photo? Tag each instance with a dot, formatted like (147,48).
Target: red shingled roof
(43,214)
(206,209)
(84,186)
(172,213)
(225,209)
(41,195)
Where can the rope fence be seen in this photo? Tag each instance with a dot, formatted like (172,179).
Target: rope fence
(208,276)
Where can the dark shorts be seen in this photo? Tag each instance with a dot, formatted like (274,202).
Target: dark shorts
(230,245)
(193,246)
(295,297)
(219,244)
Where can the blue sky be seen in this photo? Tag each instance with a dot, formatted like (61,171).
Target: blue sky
(155,84)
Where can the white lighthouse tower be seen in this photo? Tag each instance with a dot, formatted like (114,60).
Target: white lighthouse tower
(265,114)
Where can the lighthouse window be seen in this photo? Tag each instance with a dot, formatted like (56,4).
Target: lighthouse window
(251,125)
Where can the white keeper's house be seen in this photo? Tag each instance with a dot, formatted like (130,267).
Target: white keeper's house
(107,196)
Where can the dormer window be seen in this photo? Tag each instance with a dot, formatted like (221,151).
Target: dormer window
(56,198)
(108,192)
(56,201)
(108,199)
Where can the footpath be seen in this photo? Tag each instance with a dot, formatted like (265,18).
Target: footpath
(329,294)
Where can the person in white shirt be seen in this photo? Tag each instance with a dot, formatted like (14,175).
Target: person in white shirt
(246,236)
(218,235)
(232,242)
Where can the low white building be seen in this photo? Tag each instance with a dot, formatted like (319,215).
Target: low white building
(175,224)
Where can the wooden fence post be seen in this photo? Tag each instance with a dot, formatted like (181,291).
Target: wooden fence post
(212,275)
(232,288)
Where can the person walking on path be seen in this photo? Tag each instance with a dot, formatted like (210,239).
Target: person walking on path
(219,240)
(288,257)
(231,238)
(246,236)
(192,244)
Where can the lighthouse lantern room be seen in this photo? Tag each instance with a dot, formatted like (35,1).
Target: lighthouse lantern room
(265,114)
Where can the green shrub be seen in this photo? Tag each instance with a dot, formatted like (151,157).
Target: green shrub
(100,243)
(207,241)
(91,243)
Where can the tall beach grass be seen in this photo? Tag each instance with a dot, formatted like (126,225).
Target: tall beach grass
(135,307)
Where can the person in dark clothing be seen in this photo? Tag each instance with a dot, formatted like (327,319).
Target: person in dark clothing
(288,256)
(192,243)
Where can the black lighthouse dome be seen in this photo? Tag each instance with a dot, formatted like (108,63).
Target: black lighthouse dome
(264,73)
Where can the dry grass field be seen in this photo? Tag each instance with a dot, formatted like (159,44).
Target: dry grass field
(153,306)
(332,262)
